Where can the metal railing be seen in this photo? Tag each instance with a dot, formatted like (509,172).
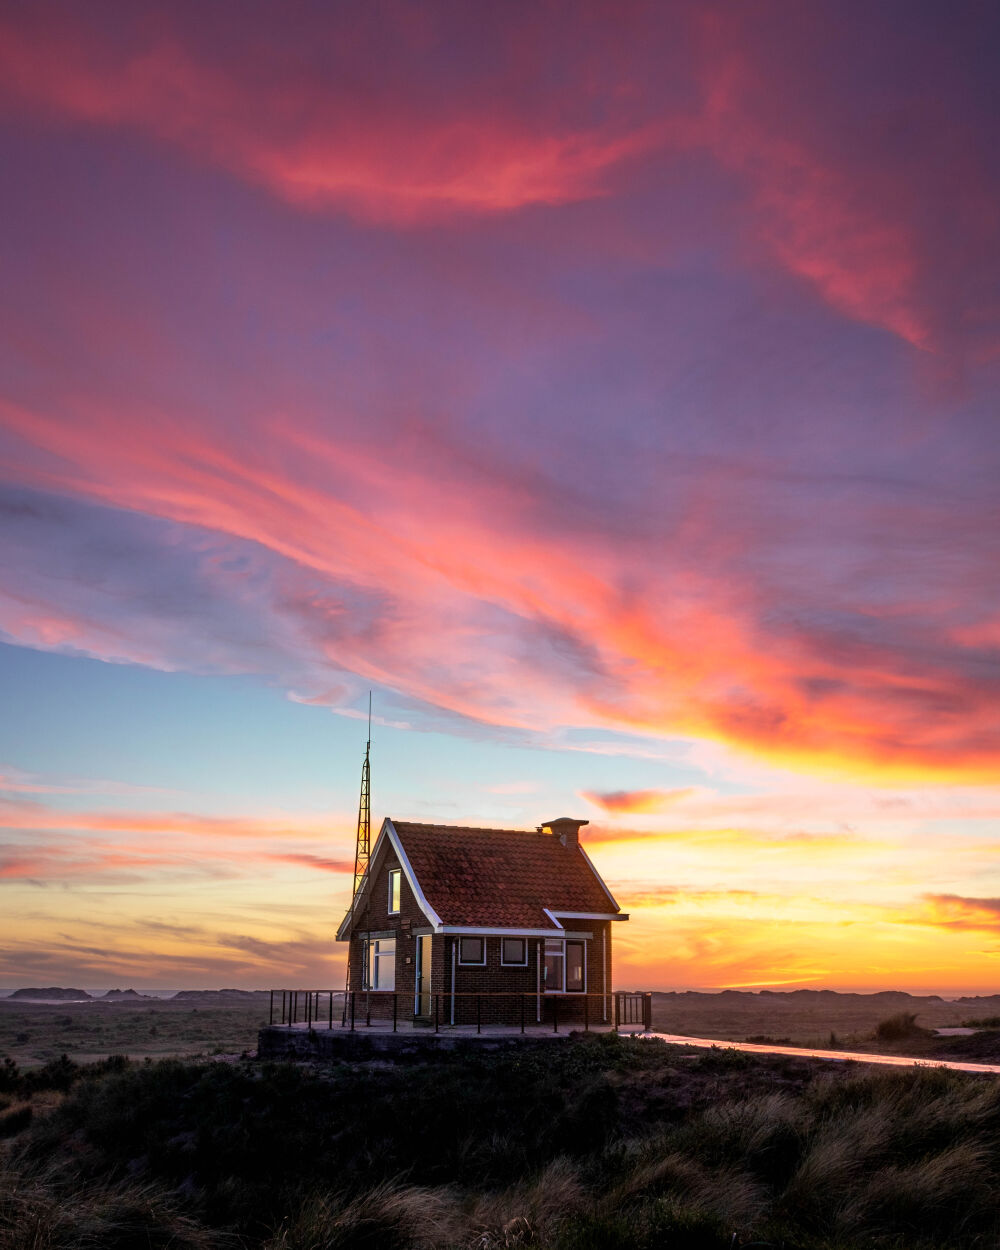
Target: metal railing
(520,1010)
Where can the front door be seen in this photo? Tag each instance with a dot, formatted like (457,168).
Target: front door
(422,996)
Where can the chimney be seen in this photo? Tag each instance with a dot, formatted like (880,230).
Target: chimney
(565,828)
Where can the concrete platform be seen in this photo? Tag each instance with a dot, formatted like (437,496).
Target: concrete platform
(302,1041)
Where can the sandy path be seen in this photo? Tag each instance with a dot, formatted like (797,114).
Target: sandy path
(892,1061)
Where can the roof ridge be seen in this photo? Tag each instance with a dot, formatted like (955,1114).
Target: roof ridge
(422,824)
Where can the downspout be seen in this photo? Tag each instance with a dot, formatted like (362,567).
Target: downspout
(538,965)
(454,967)
(604,962)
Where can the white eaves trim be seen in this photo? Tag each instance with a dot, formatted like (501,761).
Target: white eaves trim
(590,862)
(510,931)
(388,834)
(586,915)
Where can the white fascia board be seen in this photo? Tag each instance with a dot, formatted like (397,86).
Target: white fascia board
(389,829)
(551,916)
(587,915)
(388,834)
(344,932)
(486,931)
(600,879)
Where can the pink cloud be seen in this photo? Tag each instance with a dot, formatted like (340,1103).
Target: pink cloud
(317,141)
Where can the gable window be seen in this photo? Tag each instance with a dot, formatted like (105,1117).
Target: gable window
(395,876)
(379,971)
(472,950)
(514,951)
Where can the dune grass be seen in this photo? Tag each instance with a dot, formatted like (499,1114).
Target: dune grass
(597,1144)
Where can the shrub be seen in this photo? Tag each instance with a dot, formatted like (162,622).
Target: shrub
(896,1028)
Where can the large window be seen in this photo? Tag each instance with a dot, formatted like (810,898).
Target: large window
(380,964)
(472,950)
(565,967)
(514,951)
(395,875)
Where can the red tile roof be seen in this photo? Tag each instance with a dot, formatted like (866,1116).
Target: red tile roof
(500,877)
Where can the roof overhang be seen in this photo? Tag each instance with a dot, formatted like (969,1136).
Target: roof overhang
(387,837)
(557,916)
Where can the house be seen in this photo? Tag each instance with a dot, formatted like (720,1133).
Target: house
(454,925)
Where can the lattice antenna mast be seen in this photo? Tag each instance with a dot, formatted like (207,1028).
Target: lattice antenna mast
(362,849)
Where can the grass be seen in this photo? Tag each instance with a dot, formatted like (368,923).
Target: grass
(597,1144)
(37,1033)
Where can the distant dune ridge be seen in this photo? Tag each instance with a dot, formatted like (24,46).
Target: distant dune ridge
(63,994)
(53,992)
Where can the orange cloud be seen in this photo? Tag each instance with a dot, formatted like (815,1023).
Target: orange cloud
(636,801)
(954,911)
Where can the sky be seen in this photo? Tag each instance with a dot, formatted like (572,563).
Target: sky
(611,389)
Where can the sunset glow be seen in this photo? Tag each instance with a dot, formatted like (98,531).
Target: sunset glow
(612,390)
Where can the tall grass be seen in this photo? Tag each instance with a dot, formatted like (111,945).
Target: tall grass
(591,1146)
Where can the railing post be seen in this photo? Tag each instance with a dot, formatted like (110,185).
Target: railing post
(368,1011)
(479,1014)
(522,1013)
(586,1014)
(309,1008)
(437,1027)
(555,1013)
(291,1007)
(270,1010)
(395,1010)
(618,1011)
(352,1010)
(330,1025)
(647,1011)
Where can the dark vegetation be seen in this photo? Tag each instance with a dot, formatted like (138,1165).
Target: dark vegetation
(896,1028)
(599,1143)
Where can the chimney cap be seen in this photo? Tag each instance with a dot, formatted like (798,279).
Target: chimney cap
(565,829)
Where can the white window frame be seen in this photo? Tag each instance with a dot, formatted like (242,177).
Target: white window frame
(471,963)
(514,963)
(561,942)
(395,880)
(370,965)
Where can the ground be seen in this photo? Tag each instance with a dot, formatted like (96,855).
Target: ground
(36,1033)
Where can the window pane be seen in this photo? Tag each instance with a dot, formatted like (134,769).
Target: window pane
(574,965)
(394,889)
(385,964)
(470,950)
(513,950)
(553,970)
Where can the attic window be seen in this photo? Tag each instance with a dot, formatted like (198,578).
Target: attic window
(394,877)
(472,950)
